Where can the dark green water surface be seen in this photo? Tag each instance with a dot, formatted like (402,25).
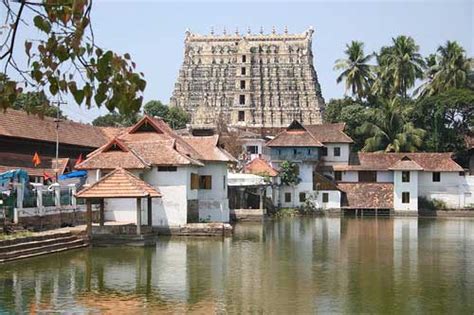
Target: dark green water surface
(292,266)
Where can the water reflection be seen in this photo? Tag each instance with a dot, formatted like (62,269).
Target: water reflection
(351,265)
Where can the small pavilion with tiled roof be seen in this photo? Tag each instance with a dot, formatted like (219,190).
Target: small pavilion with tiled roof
(118,184)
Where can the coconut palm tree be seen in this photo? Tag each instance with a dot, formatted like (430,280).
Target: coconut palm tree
(356,72)
(387,129)
(400,65)
(450,70)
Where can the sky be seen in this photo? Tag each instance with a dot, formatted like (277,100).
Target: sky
(153,32)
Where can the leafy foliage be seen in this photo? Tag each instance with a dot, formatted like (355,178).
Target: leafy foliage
(36,103)
(176,117)
(65,58)
(357,72)
(115,119)
(289,172)
(388,129)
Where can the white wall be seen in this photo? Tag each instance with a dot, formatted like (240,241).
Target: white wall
(399,187)
(214,203)
(330,159)
(384,176)
(450,188)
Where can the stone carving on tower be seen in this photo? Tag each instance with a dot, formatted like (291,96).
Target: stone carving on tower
(251,80)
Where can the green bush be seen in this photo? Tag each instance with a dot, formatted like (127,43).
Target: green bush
(431,204)
(286,213)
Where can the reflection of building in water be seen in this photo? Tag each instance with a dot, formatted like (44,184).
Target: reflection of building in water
(405,248)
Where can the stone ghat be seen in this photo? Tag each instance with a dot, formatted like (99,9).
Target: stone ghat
(197,229)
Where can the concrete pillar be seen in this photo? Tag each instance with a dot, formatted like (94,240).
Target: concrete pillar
(101,212)
(39,200)
(57,195)
(139,216)
(150,212)
(20,193)
(89,217)
(261,201)
(72,191)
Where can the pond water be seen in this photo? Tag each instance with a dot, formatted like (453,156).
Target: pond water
(289,266)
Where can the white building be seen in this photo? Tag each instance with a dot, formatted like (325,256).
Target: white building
(190,172)
(392,181)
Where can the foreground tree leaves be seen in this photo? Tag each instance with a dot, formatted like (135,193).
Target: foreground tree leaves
(66,60)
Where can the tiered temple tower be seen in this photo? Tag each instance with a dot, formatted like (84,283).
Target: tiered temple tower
(252,80)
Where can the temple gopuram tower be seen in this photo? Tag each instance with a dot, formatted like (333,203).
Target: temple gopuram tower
(252,80)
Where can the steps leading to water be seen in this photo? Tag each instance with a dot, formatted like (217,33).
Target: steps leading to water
(40,245)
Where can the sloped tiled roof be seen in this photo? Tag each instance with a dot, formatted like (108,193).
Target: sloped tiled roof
(152,142)
(430,162)
(294,136)
(208,149)
(329,133)
(10,161)
(323,183)
(366,195)
(18,124)
(119,184)
(405,164)
(259,166)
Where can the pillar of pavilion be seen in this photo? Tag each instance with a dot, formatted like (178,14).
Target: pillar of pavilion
(118,184)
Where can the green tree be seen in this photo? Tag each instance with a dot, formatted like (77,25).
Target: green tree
(155,108)
(448,69)
(356,72)
(176,117)
(289,173)
(36,103)
(115,119)
(64,57)
(352,113)
(447,118)
(388,129)
(399,66)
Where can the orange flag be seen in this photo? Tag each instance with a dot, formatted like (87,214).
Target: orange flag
(79,160)
(36,159)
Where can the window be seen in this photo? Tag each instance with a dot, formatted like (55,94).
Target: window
(337,151)
(242,99)
(324,151)
(367,176)
(405,177)
(302,197)
(224,182)
(287,197)
(167,169)
(462,173)
(436,176)
(244,58)
(241,115)
(405,197)
(205,182)
(252,149)
(338,176)
(243,71)
(295,152)
(325,197)
(194,181)
(242,84)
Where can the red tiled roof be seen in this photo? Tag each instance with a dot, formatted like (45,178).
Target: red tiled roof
(10,161)
(329,133)
(152,142)
(119,184)
(294,136)
(405,165)
(259,166)
(366,195)
(323,183)
(430,162)
(207,147)
(19,124)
